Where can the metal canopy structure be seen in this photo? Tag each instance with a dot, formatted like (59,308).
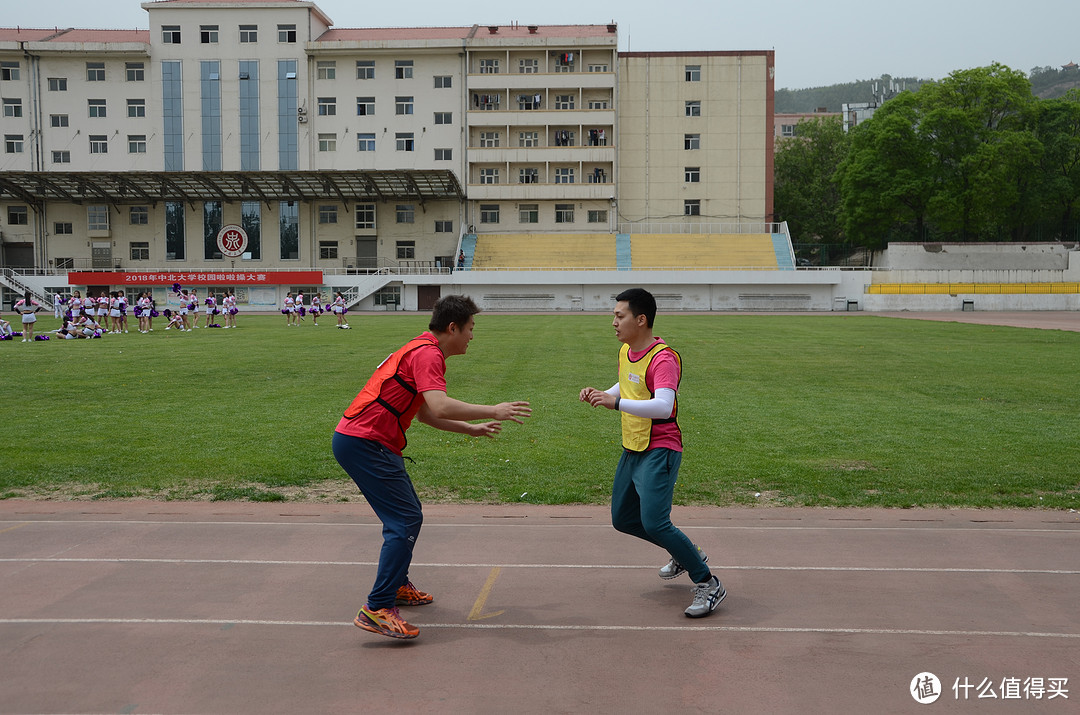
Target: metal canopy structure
(141,187)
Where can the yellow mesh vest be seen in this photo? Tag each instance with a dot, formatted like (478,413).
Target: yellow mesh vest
(637,431)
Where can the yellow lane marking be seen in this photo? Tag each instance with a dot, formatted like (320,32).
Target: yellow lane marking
(477,614)
(13,528)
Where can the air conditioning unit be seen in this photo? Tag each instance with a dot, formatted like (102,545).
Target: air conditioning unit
(301,118)
(302,111)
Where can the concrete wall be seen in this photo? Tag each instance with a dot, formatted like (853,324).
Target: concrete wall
(975,256)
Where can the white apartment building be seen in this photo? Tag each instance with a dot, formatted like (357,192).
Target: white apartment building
(338,149)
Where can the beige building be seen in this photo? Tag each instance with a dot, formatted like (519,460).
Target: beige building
(338,149)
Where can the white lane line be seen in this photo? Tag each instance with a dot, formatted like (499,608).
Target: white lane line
(415,564)
(543,627)
(931,526)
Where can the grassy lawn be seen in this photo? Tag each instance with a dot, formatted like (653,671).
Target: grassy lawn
(787,410)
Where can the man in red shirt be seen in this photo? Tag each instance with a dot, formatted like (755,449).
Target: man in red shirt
(646,396)
(369,440)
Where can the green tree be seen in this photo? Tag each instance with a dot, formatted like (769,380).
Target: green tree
(804,191)
(1056,125)
(886,181)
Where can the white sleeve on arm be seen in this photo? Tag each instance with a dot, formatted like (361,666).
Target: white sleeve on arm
(613,390)
(658,408)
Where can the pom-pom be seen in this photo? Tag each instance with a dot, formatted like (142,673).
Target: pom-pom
(284,312)
(168,313)
(154,313)
(176,288)
(41,337)
(302,311)
(213,325)
(215,311)
(233,311)
(17,334)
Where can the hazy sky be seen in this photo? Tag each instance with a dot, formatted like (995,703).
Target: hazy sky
(816,43)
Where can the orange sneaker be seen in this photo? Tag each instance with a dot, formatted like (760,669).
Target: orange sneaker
(385,622)
(409,595)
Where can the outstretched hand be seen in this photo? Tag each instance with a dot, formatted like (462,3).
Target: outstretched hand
(513,411)
(484,429)
(597,398)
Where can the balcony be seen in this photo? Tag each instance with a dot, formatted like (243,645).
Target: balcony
(540,192)
(541,154)
(553,80)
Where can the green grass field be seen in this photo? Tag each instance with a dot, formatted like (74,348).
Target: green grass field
(779,410)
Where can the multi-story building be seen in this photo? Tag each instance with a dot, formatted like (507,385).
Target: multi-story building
(343,149)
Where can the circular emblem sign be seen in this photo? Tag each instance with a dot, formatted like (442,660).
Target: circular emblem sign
(232,241)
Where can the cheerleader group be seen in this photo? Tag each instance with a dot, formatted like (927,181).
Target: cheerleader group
(294,310)
(186,318)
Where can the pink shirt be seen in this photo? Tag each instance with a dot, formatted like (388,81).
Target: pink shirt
(663,372)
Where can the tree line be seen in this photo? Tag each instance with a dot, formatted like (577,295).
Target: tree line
(973,157)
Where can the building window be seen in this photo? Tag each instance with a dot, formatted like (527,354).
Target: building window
(444,117)
(564,175)
(57,84)
(328,213)
(13,143)
(444,227)
(365,69)
(328,250)
(365,106)
(18,216)
(528,176)
(61,157)
(326,69)
(97,218)
(136,107)
(249,33)
(96,108)
(787,130)
(597,216)
(403,105)
(528,66)
(406,250)
(692,174)
(529,139)
(286,33)
(564,101)
(693,73)
(390,295)
(404,141)
(489,139)
(489,213)
(528,213)
(99,144)
(489,67)
(443,81)
(289,231)
(251,221)
(139,250)
(691,141)
(693,108)
(95,72)
(208,34)
(598,68)
(365,216)
(9,71)
(403,69)
(692,207)
(212,223)
(327,106)
(139,215)
(136,143)
(444,154)
(365,142)
(405,213)
(489,176)
(63,228)
(564,213)
(13,107)
(170,34)
(328,142)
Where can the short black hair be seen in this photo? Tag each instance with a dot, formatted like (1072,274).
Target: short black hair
(452,309)
(641,302)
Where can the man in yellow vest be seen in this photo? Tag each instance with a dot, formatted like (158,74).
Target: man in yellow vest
(646,395)
(369,440)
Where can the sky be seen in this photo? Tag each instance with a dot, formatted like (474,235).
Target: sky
(816,43)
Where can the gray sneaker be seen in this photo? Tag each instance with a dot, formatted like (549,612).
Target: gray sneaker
(673,569)
(707,596)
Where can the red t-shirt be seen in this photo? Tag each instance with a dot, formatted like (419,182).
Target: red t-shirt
(663,372)
(423,369)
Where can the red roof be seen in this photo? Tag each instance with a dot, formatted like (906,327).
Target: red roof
(368,34)
(24,34)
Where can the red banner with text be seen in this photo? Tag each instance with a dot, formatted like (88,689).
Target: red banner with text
(194,278)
